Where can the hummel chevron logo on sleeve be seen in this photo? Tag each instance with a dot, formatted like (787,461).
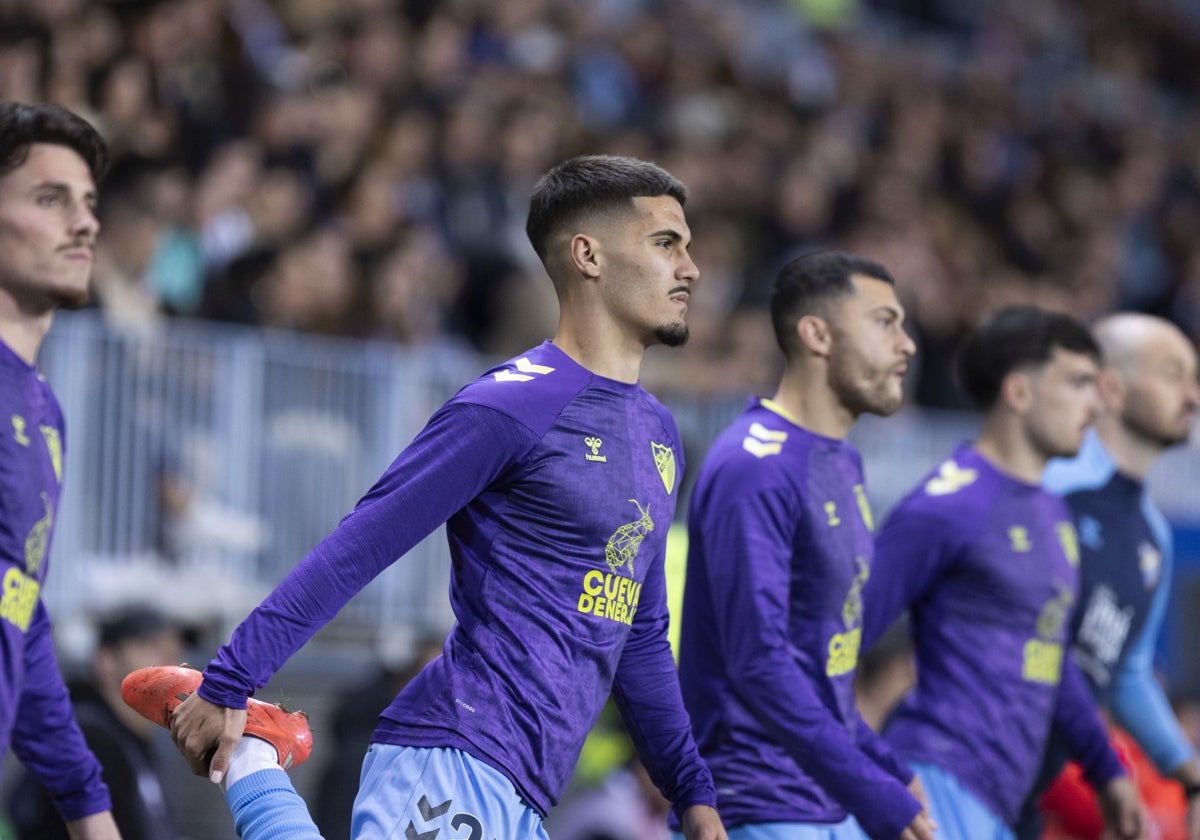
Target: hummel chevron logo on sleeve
(523,371)
(762,441)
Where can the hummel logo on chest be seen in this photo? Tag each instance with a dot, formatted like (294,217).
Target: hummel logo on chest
(594,443)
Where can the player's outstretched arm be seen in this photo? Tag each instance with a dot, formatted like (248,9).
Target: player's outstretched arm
(95,827)
(700,822)
(200,727)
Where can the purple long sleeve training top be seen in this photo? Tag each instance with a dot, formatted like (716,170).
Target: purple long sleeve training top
(558,488)
(988,567)
(36,718)
(780,545)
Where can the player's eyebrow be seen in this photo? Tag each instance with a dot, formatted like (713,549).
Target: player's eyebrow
(669,233)
(62,189)
(894,311)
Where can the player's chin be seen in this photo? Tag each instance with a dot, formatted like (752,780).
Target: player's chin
(72,297)
(672,335)
(1176,437)
(887,404)
(1067,448)
(886,398)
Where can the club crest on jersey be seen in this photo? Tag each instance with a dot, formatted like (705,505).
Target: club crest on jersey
(594,443)
(54,447)
(864,507)
(664,462)
(1091,533)
(1069,541)
(1149,564)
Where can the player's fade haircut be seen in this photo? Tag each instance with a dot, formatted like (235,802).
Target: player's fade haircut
(589,184)
(23,125)
(1012,338)
(807,284)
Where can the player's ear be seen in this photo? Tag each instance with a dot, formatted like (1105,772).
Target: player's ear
(815,334)
(585,255)
(1016,391)
(1113,388)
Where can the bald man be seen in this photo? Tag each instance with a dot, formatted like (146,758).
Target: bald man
(1149,394)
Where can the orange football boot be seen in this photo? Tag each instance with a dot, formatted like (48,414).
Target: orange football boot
(155,692)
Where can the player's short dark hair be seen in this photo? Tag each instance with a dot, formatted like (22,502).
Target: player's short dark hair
(805,285)
(136,622)
(23,125)
(1013,338)
(592,183)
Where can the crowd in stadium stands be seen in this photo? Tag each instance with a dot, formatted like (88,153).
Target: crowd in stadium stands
(360,168)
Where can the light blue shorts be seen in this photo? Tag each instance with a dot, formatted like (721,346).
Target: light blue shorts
(847,829)
(958,812)
(413,791)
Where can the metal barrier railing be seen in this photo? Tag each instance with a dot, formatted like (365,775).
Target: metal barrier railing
(204,460)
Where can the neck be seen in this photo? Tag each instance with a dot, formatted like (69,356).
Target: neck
(1002,443)
(25,334)
(601,348)
(1133,454)
(815,408)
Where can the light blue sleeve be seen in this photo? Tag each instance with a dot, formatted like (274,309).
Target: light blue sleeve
(1135,697)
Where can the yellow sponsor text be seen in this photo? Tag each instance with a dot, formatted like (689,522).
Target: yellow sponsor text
(1043,662)
(843,652)
(19,599)
(610,596)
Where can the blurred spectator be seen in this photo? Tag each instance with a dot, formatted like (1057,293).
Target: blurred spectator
(625,806)
(413,289)
(121,739)
(993,151)
(355,716)
(312,286)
